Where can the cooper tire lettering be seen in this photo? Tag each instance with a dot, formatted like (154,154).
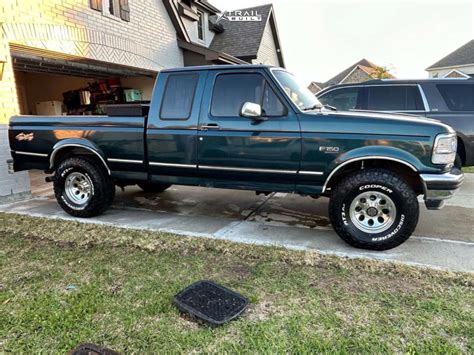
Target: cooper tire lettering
(381,223)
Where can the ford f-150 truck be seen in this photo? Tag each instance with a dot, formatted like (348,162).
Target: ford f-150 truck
(250,127)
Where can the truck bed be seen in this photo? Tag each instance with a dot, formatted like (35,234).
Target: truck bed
(34,139)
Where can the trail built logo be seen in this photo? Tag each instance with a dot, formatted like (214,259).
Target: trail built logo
(240,16)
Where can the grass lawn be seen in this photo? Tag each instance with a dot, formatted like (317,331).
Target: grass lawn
(469,169)
(301,302)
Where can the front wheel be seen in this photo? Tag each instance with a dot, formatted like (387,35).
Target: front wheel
(374,209)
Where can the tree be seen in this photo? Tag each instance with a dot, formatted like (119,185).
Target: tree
(381,73)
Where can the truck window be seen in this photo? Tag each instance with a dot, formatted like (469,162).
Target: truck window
(231,91)
(343,99)
(458,97)
(394,98)
(178,97)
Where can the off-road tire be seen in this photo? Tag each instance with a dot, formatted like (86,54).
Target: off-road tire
(458,162)
(153,187)
(103,188)
(380,181)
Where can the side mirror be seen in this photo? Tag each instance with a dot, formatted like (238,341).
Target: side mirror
(251,110)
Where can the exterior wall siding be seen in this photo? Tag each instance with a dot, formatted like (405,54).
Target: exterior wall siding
(267,53)
(357,76)
(441,73)
(71,27)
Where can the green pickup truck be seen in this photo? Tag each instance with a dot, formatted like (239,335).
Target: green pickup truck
(250,127)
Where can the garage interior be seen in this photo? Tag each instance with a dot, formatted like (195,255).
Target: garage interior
(55,84)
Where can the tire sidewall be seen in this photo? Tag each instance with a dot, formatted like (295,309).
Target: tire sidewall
(392,231)
(103,189)
(66,170)
(377,180)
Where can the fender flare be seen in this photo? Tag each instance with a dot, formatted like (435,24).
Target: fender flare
(373,153)
(80,143)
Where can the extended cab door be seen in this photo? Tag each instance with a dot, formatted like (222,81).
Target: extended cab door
(236,151)
(172,126)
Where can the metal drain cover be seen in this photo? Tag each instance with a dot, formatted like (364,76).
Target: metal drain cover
(210,302)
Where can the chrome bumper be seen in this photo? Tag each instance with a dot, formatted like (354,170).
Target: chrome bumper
(439,187)
(11,168)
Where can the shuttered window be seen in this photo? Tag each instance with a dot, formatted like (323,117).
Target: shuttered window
(96,4)
(124,10)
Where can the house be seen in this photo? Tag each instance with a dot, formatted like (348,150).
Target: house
(76,56)
(208,37)
(361,71)
(458,64)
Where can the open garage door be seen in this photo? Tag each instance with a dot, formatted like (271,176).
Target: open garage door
(50,83)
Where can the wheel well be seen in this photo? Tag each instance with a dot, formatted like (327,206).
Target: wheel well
(64,153)
(410,176)
(461,150)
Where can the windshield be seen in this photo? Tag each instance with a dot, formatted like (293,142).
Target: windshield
(296,91)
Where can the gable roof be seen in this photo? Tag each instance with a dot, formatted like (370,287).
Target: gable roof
(461,56)
(242,39)
(342,75)
(366,66)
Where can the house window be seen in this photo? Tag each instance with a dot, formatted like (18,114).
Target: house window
(200,25)
(113,8)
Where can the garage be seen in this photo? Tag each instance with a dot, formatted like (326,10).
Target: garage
(49,83)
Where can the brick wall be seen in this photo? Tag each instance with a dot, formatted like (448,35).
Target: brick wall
(148,41)
(12,187)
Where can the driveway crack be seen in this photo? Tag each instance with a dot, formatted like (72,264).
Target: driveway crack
(259,206)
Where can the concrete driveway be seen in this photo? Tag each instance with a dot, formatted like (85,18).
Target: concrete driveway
(443,239)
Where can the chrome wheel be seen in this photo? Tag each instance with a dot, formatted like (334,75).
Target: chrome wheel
(373,212)
(78,188)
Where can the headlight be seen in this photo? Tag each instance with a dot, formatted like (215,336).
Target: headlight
(444,150)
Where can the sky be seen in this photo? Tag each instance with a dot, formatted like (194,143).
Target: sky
(320,38)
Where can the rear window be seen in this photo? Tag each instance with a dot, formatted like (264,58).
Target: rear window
(458,97)
(179,95)
(394,98)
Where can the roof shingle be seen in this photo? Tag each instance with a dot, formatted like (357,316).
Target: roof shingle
(242,39)
(461,56)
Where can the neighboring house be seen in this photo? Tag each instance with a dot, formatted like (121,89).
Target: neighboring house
(458,64)
(208,38)
(361,71)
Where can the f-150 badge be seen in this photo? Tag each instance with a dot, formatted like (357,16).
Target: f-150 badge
(25,137)
(329,149)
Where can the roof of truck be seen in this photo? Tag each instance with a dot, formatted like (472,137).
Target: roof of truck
(218,67)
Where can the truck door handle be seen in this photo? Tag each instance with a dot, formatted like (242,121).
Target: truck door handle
(210,126)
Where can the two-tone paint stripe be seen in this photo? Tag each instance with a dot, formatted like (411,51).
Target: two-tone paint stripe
(230,168)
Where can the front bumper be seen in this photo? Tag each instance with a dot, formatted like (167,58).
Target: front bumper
(439,187)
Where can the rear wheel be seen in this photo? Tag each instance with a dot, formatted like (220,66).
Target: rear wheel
(374,209)
(82,187)
(153,187)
